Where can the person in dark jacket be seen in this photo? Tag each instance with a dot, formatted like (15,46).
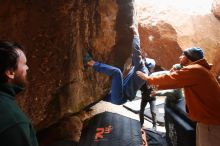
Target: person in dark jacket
(146,98)
(15,128)
(124,88)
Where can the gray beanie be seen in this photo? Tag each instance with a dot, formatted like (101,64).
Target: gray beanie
(194,53)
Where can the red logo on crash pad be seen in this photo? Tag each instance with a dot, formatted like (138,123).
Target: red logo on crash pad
(101,132)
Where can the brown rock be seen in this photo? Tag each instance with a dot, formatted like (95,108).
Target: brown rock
(54,33)
(167,29)
(160,41)
(216,8)
(67,129)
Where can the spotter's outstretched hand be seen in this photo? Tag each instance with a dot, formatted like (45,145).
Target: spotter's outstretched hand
(142,75)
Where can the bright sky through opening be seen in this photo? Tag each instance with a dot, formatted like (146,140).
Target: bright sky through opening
(188,6)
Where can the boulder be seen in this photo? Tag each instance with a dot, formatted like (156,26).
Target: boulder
(216,8)
(55,34)
(170,27)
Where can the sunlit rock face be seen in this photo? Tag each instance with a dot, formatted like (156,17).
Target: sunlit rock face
(160,41)
(216,12)
(54,33)
(167,27)
(216,8)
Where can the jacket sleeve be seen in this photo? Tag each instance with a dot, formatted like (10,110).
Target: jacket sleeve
(168,92)
(177,79)
(19,135)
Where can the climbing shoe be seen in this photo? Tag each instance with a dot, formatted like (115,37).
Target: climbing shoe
(87,57)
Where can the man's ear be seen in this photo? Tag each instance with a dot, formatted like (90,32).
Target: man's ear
(10,73)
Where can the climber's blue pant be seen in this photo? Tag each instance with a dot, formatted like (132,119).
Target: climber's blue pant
(124,89)
(116,94)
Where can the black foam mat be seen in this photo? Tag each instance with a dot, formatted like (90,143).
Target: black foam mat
(111,129)
(180,109)
(179,131)
(155,138)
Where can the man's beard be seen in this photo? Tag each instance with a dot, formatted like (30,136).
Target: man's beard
(21,81)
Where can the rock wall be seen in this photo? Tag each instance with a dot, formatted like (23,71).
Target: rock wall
(216,8)
(168,28)
(160,41)
(54,33)
(216,12)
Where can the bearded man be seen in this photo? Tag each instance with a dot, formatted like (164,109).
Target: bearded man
(15,128)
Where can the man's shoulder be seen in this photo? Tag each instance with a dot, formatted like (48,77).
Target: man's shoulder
(11,114)
(200,64)
(195,68)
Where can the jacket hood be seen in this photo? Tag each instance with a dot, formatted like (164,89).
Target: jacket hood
(204,63)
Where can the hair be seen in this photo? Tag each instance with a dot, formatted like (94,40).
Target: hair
(8,58)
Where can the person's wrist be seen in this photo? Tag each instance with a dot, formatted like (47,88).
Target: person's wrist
(145,77)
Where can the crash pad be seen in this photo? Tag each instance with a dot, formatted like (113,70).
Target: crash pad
(111,129)
(155,138)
